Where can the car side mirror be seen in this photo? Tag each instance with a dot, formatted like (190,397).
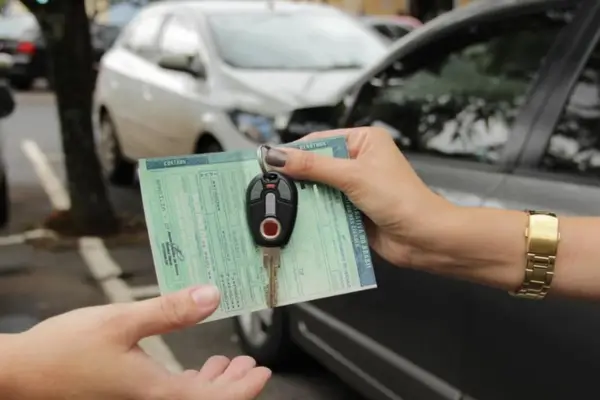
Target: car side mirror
(183,63)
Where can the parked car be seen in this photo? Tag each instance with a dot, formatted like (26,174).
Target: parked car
(204,76)
(392,27)
(21,37)
(495,104)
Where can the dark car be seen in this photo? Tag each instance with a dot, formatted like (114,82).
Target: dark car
(7,106)
(391,27)
(495,104)
(20,37)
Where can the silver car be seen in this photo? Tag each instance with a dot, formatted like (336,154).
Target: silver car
(203,76)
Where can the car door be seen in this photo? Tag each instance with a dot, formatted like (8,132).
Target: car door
(125,70)
(450,105)
(559,171)
(172,101)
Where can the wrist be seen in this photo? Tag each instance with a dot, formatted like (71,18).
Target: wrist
(482,244)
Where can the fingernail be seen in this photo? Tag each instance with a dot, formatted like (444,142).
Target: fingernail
(275,157)
(205,296)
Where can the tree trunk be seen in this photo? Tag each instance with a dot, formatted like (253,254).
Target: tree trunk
(65,27)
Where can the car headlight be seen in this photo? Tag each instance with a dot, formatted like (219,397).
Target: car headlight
(282,121)
(258,128)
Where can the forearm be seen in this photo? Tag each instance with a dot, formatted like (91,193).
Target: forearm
(10,388)
(488,246)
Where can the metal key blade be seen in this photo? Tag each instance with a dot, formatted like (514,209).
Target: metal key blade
(271,263)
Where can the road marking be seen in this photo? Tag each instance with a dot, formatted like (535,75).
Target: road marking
(55,158)
(12,240)
(104,269)
(94,253)
(144,292)
(50,182)
(21,238)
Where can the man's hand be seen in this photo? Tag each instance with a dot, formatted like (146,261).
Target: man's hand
(92,353)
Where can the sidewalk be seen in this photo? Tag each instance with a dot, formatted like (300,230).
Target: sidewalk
(36,284)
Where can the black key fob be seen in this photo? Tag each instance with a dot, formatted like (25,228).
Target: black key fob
(271,209)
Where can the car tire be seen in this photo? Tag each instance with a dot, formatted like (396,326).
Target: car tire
(4,201)
(22,83)
(265,336)
(213,148)
(115,167)
(208,145)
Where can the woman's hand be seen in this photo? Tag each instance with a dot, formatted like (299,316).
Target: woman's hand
(92,354)
(411,226)
(404,215)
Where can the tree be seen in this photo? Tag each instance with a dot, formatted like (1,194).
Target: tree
(65,27)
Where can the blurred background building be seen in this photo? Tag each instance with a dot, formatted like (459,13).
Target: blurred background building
(421,9)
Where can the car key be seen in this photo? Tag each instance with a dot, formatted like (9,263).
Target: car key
(271,209)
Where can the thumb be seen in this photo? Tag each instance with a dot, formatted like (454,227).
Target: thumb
(171,312)
(308,165)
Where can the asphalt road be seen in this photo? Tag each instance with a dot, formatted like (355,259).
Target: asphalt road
(38,290)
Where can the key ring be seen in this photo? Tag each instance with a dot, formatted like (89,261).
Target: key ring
(260,154)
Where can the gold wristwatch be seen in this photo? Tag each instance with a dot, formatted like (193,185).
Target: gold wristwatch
(542,243)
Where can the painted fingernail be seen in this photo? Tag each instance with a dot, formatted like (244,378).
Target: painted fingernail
(205,296)
(275,157)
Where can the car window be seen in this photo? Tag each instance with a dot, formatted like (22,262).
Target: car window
(398,31)
(19,27)
(303,40)
(382,29)
(179,37)
(457,97)
(142,35)
(574,146)
(390,31)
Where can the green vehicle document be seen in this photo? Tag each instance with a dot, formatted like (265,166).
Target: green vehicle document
(196,217)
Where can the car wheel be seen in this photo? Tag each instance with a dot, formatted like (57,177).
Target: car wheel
(213,147)
(22,83)
(207,144)
(115,167)
(4,200)
(264,335)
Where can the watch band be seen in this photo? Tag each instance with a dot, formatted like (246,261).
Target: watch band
(542,243)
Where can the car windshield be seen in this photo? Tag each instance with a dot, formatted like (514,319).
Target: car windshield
(17,26)
(295,41)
